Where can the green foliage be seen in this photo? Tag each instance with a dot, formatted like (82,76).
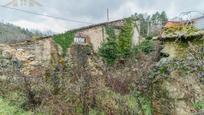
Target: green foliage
(146,46)
(145,103)
(199,105)
(115,47)
(109,51)
(7,109)
(124,39)
(147,20)
(96,112)
(184,29)
(149,37)
(64,40)
(110,32)
(163,17)
(10,33)
(121,46)
(159,18)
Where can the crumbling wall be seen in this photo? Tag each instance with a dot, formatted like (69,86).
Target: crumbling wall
(32,58)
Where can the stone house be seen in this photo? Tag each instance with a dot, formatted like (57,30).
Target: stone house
(96,34)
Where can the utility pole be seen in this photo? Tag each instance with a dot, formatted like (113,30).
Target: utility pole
(148,27)
(108,18)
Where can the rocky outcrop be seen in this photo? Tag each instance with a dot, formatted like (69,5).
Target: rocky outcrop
(178,87)
(177,94)
(30,58)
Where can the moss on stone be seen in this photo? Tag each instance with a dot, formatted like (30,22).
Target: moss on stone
(175,50)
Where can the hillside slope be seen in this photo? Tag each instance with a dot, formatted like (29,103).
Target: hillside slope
(11,33)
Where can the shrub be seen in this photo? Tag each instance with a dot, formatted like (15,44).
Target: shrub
(116,47)
(146,46)
(109,51)
(174,30)
(198,105)
(124,39)
(149,37)
(7,109)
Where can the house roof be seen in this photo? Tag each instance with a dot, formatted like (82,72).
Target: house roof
(96,25)
(173,21)
(87,27)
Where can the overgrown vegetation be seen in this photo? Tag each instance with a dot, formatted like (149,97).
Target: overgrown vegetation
(198,105)
(10,109)
(179,29)
(135,83)
(124,40)
(147,46)
(109,50)
(117,47)
(64,40)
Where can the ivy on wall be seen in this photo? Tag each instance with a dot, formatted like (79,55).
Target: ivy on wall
(117,47)
(109,50)
(125,38)
(64,40)
(110,32)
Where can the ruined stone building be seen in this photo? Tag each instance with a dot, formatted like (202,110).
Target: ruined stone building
(96,34)
(36,55)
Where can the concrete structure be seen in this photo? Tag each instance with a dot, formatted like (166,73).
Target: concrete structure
(96,34)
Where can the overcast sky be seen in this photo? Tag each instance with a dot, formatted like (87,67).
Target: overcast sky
(93,11)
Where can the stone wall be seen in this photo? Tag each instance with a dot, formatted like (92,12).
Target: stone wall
(32,58)
(97,34)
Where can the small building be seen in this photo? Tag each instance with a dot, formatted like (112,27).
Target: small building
(170,24)
(197,22)
(96,34)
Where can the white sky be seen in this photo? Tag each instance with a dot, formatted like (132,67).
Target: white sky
(93,11)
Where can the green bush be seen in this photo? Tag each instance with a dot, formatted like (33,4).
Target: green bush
(146,46)
(149,37)
(109,51)
(124,40)
(198,105)
(7,109)
(110,32)
(117,47)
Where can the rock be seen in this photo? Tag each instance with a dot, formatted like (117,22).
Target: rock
(177,92)
(4,62)
(6,54)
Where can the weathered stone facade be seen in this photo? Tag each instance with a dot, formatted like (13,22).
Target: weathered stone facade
(97,33)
